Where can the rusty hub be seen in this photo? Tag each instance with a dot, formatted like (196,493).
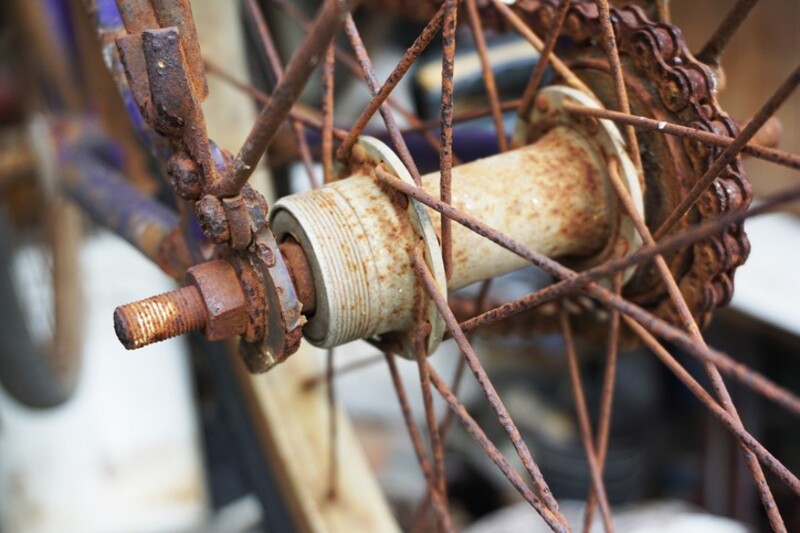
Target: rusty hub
(278,281)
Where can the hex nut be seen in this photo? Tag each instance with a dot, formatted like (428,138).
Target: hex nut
(211,215)
(223,297)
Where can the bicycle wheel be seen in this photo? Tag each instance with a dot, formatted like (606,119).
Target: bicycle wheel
(657,251)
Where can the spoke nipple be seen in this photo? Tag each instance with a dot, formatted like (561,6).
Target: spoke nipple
(160,317)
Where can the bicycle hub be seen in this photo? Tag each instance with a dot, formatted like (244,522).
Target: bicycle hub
(551,194)
(344,249)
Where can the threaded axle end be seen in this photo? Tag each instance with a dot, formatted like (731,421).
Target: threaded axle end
(160,317)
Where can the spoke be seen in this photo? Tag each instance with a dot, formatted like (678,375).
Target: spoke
(439,505)
(329,20)
(369,76)
(583,421)
(712,51)
(408,59)
(353,66)
(569,285)
(338,372)
(488,75)
(439,480)
(666,331)
(555,522)
(447,420)
(333,429)
(716,410)
(327,114)
(731,152)
(762,152)
(522,28)
(464,116)
(446,153)
(612,53)
(496,403)
(532,89)
(691,326)
(276,65)
(606,401)
(300,112)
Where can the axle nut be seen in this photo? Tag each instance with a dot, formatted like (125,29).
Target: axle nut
(223,297)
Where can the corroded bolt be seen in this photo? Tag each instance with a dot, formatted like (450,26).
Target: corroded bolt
(212,301)
(161,317)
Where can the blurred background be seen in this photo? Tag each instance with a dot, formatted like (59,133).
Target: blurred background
(177,437)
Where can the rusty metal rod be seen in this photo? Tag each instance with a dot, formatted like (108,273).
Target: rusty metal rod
(666,331)
(327,23)
(333,428)
(694,331)
(609,42)
(532,89)
(276,65)
(729,154)
(485,383)
(353,66)
(386,113)
(567,286)
(409,57)
(439,505)
(447,419)
(555,522)
(711,52)
(522,28)
(434,437)
(489,83)
(766,458)
(300,112)
(762,152)
(446,129)
(584,425)
(328,71)
(606,401)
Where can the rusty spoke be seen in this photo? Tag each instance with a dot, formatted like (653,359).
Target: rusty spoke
(711,52)
(342,370)
(584,424)
(489,82)
(464,116)
(570,285)
(446,153)
(555,521)
(606,401)
(532,89)
(408,59)
(304,114)
(354,67)
(439,505)
(756,150)
(731,152)
(766,458)
(447,419)
(691,326)
(386,113)
(522,28)
(609,42)
(434,436)
(333,429)
(327,23)
(328,70)
(276,65)
(485,383)
(666,331)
